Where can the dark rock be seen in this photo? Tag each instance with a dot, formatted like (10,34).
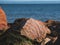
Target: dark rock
(54,26)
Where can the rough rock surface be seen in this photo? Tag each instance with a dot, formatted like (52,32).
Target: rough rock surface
(3,21)
(34,29)
(15,34)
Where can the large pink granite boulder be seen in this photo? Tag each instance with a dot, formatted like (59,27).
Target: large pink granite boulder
(3,21)
(35,30)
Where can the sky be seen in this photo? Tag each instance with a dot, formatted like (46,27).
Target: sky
(28,1)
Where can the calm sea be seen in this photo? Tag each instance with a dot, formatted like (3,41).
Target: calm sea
(41,12)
